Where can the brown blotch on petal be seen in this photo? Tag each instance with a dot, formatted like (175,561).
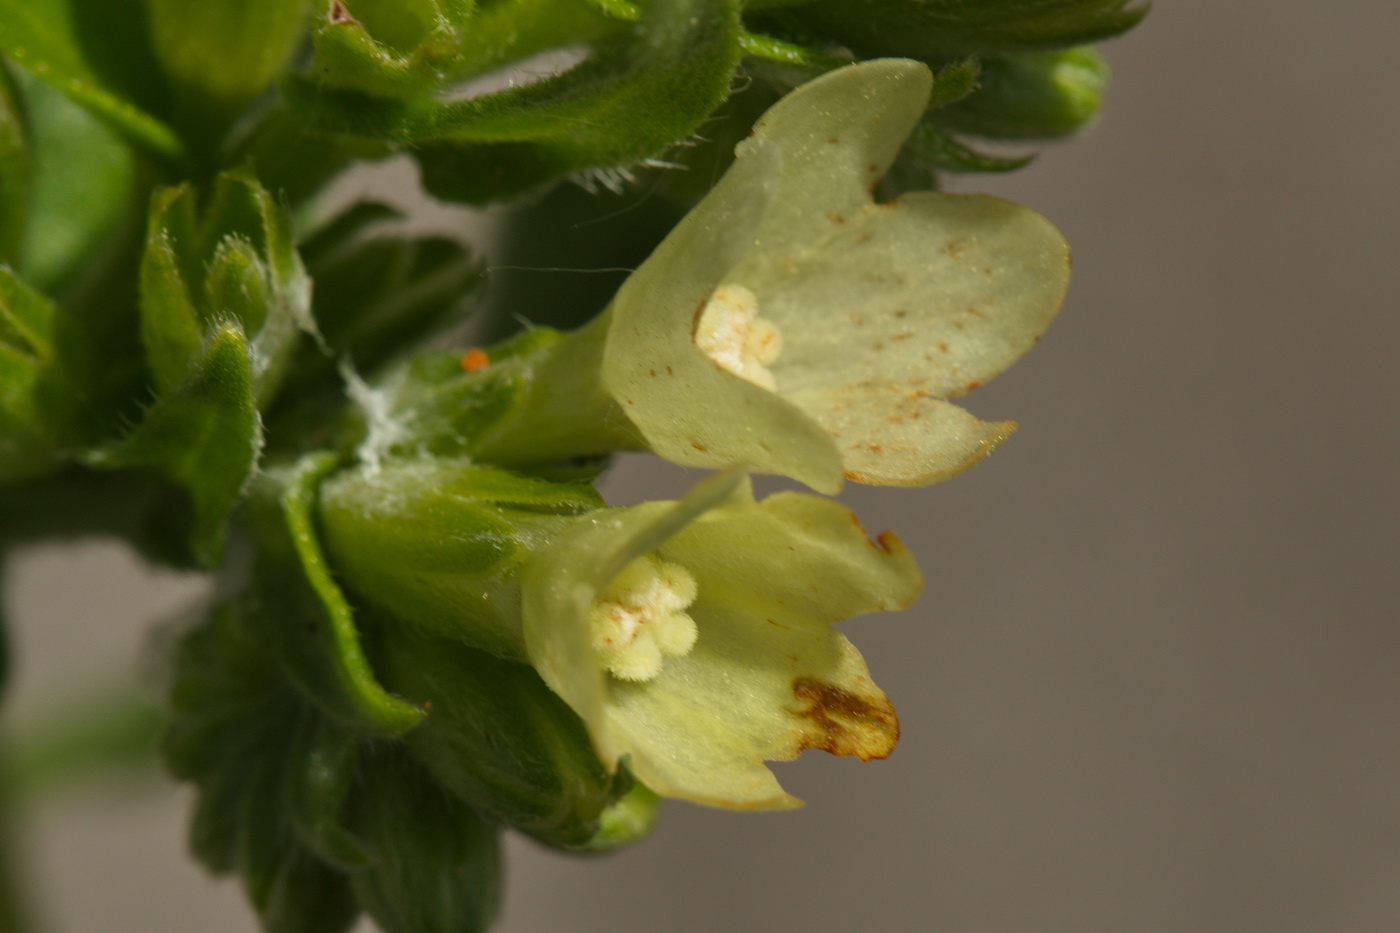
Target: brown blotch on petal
(843,723)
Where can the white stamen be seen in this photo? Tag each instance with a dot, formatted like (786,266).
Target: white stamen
(730,332)
(641,617)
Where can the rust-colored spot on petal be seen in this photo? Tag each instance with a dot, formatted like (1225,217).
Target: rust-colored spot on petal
(699,446)
(843,723)
(475,360)
(340,14)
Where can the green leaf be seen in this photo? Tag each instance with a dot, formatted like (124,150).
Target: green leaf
(81,189)
(246,740)
(294,161)
(39,396)
(394,49)
(498,738)
(203,435)
(436,864)
(303,613)
(14,170)
(635,95)
(1034,95)
(98,53)
(320,791)
(377,295)
(219,55)
(933,147)
(936,29)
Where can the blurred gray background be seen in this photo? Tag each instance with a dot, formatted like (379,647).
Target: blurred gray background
(1150,687)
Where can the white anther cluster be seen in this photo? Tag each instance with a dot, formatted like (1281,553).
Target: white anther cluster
(730,332)
(640,618)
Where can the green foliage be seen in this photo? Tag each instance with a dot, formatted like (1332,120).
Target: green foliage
(81,187)
(219,57)
(14,169)
(933,29)
(202,435)
(635,94)
(428,627)
(39,394)
(98,53)
(302,611)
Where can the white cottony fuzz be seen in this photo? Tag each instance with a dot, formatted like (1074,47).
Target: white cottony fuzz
(640,618)
(730,332)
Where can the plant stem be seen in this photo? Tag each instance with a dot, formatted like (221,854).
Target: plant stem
(15,913)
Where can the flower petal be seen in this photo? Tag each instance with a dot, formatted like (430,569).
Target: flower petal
(890,435)
(687,408)
(768,676)
(561,582)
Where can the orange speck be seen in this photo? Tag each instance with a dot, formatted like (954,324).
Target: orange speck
(475,359)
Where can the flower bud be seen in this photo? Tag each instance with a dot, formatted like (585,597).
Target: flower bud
(1033,95)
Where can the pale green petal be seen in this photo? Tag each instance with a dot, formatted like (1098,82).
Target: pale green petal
(892,435)
(688,409)
(836,137)
(702,731)
(560,583)
(935,292)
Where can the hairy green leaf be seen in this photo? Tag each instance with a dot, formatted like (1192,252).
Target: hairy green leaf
(637,93)
(395,49)
(435,863)
(302,612)
(940,29)
(246,740)
(39,398)
(203,435)
(219,55)
(81,189)
(497,737)
(98,53)
(14,170)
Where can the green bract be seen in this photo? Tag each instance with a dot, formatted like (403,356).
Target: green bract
(791,323)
